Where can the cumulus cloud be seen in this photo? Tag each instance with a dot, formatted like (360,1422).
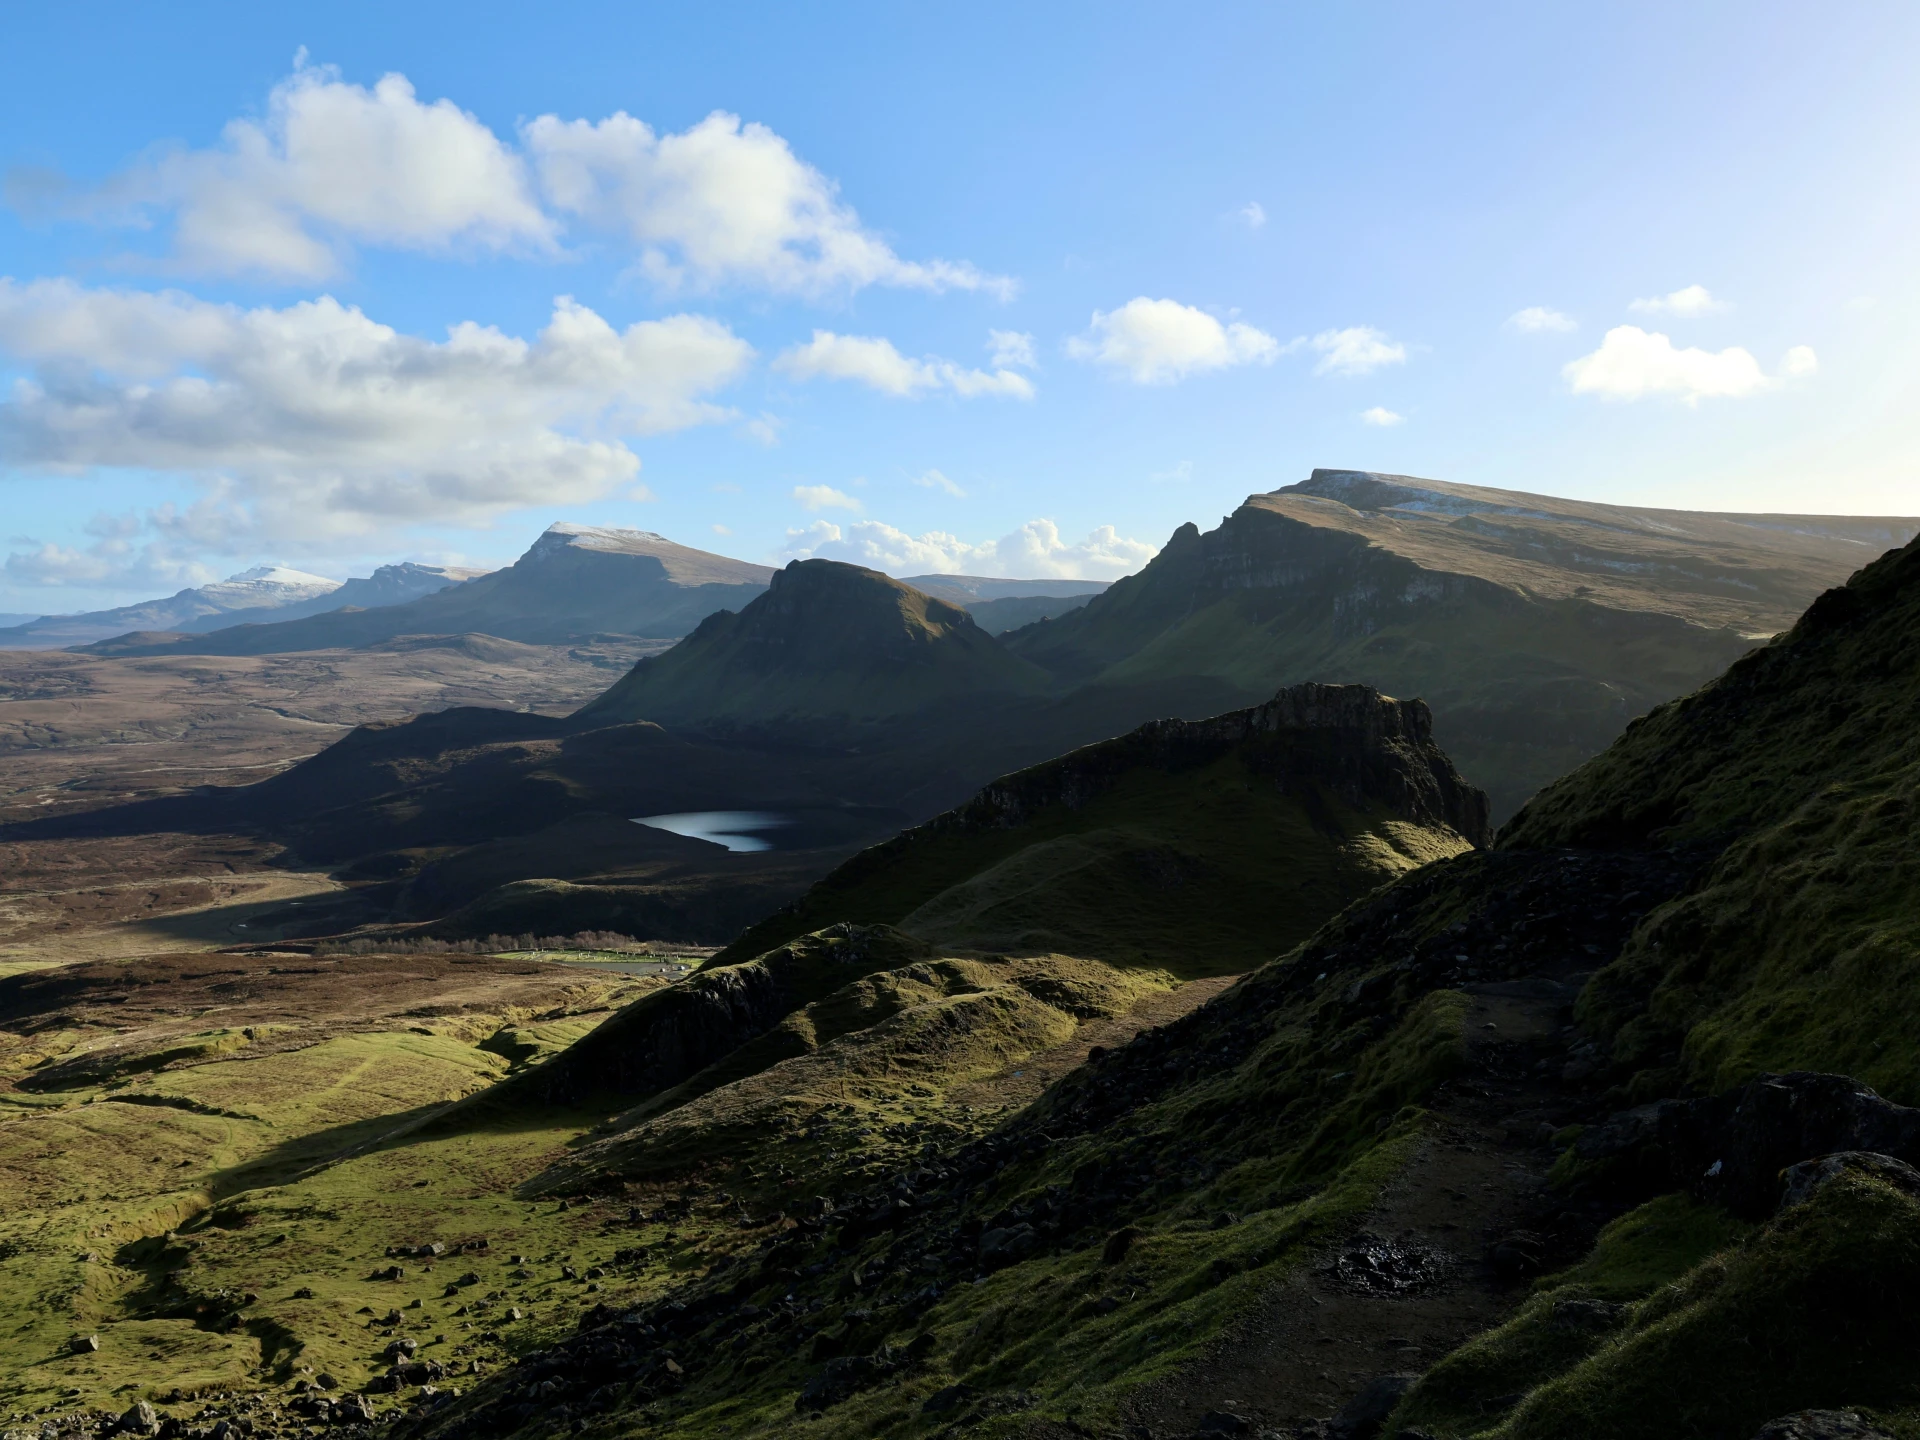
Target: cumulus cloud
(1357,350)
(874,361)
(1380,415)
(724,202)
(316,419)
(1034,551)
(1632,363)
(824,497)
(330,165)
(1156,342)
(1686,303)
(1537,318)
(1011,349)
(934,480)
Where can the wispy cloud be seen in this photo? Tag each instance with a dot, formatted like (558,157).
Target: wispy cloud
(934,480)
(824,497)
(1686,303)
(874,362)
(1538,318)
(1357,350)
(1380,415)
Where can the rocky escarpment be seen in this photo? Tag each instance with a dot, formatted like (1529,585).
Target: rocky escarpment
(1252,814)
(1357,743)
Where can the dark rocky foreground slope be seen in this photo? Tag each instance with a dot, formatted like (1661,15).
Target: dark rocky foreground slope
(1575,1136)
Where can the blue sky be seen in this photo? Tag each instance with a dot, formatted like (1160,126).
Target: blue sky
(1009,289)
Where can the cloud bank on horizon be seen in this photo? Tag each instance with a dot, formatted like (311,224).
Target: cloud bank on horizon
(360,318)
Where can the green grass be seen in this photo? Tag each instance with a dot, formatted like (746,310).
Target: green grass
(1210,871)
(1804,763)
(1818,1309)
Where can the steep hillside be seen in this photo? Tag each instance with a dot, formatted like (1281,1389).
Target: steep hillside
(1535,627)
(1506,1150)
(1209,844)
(827,640)
(575,580)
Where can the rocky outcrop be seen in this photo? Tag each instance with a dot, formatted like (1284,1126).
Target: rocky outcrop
(674,1033)
(1363,746)
(1732,1149)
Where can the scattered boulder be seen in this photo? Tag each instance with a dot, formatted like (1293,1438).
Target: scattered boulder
(354,1408)
(1730,1149)
(1118,1243)
(1224,1422)
(952,1397)
(1822,1425)
(1800,1182)
(84,1344)
(141,1419)
(1007,1246)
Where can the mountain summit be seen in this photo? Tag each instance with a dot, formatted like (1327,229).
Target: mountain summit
(575,580)
(826,640)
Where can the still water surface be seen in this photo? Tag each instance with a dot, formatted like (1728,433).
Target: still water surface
(738,830)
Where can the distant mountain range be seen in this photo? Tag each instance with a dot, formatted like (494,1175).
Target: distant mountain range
(275,590)
(854,704)
(575,581)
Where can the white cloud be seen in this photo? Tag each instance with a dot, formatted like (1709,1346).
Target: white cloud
(724,202)
(1156,342)
(1034,551)
(1252,215)
(315,420)
(824,497)
(719,529)
(1536,318)
(330,165)
(1632,363)
(1357,350)
(934,480)
(1380,415)
(1693,300)
(1798,361)
(873,361)
(1179,474)
(1011,349)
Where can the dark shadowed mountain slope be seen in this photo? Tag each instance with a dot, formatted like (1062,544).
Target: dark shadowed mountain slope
(1535,627)
(1210,843)
(826,640)
(575,580)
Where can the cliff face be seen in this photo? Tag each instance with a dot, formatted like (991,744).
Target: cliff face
(1248,829)
(1526,678)
(1350,740)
